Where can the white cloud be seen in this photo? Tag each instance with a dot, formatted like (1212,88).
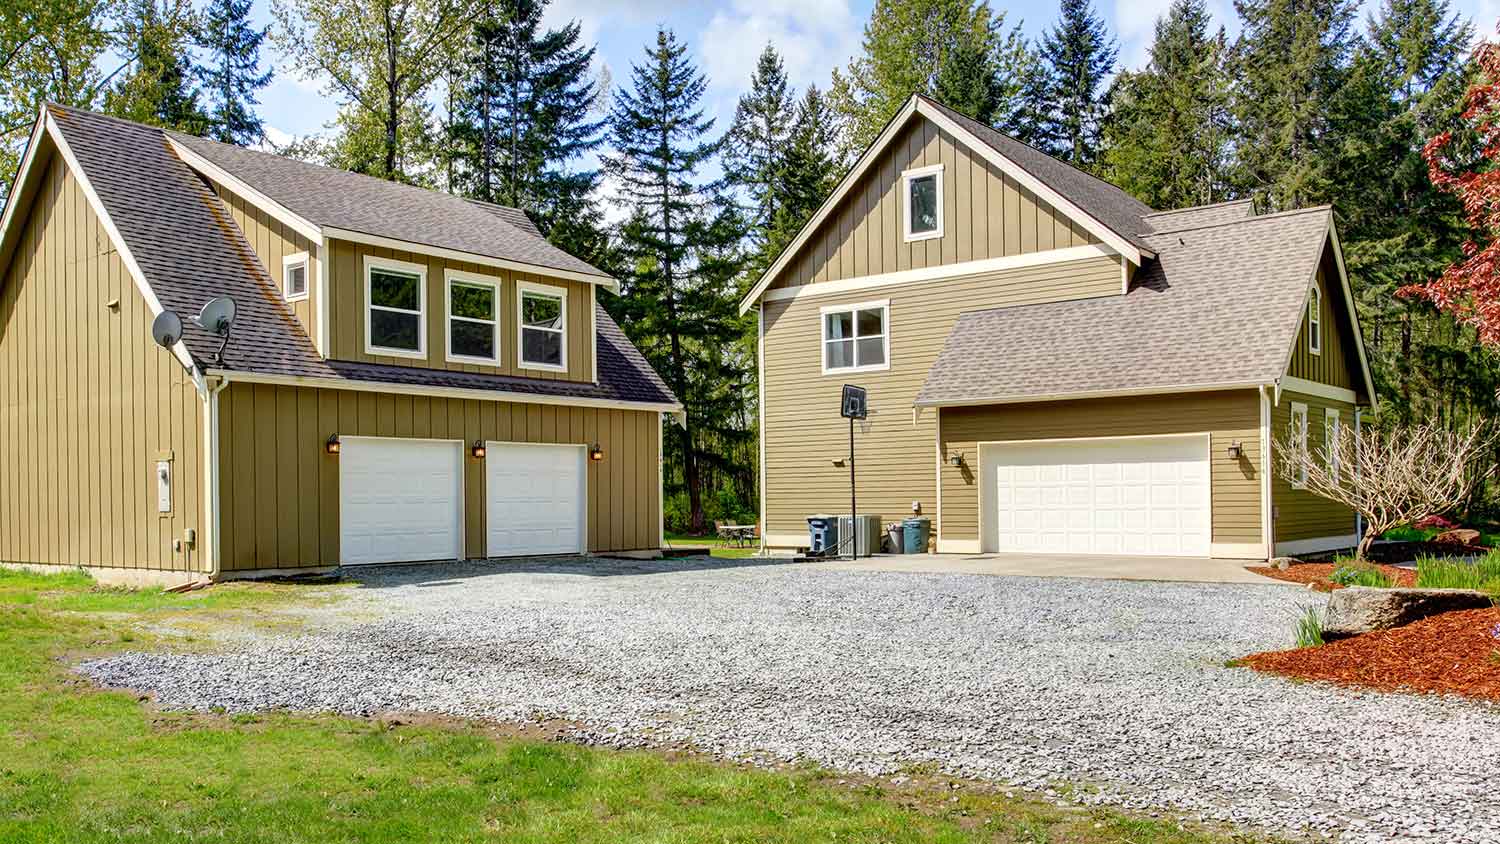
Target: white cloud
(274,138)
(812,36)
(1135,26)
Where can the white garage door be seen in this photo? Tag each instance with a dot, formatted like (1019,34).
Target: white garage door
(536,499)
(400,500)
(1146,495)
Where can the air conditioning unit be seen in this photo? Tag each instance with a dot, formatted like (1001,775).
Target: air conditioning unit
(867,529)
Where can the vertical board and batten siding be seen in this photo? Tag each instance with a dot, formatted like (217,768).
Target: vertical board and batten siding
(88,403)
(272,241)
(1333,365)
(346,283)
(1235,485)
(280,489)
(986,214)
(803,431)
(1299,514)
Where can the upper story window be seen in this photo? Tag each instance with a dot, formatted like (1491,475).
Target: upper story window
(544,319)
(395,308)
(1299,442)
(922,202)
(1315,321)
(856,337)
(294,277)
(473,317)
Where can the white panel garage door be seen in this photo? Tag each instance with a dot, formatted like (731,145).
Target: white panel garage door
(536,499)
(1145,495)
(400,500)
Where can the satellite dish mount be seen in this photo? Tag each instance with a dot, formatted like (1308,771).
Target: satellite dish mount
(217,317)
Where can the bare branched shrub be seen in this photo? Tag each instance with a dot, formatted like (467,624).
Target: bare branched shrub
(1392,476)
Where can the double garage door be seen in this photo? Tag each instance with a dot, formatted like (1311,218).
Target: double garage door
(402,500)
(1132,495)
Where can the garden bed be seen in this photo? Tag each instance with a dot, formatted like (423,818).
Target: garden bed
(1454,653)
(1389,553)
(1317,574)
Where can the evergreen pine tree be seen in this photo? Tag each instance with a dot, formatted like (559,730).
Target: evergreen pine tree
(806,176)
(755,149)
(679,299)
(1166,140)
(158,88)
(1079,55)
(231,71)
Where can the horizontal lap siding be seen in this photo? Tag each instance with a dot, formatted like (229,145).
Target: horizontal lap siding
(280,487)
(986,214)
(88,403)
(1299,513)
(272,241)
(803,432)
(346,282)
(1226,416)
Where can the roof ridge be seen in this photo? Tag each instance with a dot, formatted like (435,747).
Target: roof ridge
(1186,208)
(1241,221)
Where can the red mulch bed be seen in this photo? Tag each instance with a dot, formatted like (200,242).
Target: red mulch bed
(1317,574)
(1453,653)
(1404,552)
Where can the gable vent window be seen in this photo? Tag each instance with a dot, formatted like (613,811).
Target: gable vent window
(855,337)
(544,319)
(473,323)
(294,277)
(395,322)
(1315,321)
(922,202)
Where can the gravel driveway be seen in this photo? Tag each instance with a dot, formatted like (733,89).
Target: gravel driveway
(1115,686)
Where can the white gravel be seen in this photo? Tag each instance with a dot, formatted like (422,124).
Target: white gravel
(1117,687)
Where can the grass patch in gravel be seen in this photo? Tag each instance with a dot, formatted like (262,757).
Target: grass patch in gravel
(82,765)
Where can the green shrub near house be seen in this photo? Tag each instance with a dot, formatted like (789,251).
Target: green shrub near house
(1349,572)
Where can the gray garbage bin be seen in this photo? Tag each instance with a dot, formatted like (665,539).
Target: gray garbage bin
(895,537)
(822,534)
(914,532)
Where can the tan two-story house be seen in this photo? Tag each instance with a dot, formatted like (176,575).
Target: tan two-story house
(1053,367)
(408,375)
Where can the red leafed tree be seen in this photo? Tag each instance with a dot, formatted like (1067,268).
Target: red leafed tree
(1470,288)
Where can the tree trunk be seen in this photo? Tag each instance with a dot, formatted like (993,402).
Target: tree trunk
(1362,550)
(393,102)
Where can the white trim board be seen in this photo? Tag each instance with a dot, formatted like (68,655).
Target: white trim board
(473,257)
(1289,384)
(945,272)
(907,177)
(917,105)
(14,198)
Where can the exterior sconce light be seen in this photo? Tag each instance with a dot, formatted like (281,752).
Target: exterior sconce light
(332,446)
(596,453)
(957,459)
(477,449)
(1236,450)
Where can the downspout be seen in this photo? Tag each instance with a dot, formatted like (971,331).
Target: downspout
(214,385)
(1267,520)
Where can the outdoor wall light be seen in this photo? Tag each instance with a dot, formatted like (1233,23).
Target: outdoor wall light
(478,449)
(332,446)
(1236,450)
(596,453)
(957,459)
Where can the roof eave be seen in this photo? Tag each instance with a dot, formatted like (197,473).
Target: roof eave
(1095,394)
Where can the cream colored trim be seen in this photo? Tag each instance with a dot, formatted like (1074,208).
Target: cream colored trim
(947,272)
(1267,468)
(937,447)
(373,262)
(473,257)
(280,212)
(884,306)
(440,392)
(1315,545)
(1236,551)
(907,177)
(1093,394)
(493,282)
(1314,388)
(179,349)
(550,292)
(760,388)
(958,546)
(13,199)
(594,334)
(289,261)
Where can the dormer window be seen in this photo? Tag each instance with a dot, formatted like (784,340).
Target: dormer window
(294,277)
(922,202)
(544,319)
(395,308)
(1314,321)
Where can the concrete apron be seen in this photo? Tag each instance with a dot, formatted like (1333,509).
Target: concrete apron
(1184,569)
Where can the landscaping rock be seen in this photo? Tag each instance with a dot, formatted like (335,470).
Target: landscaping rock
(1282,563)
(1458,536)
(1362,609)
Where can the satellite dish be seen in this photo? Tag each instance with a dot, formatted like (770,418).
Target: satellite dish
(166,329)
(217,316)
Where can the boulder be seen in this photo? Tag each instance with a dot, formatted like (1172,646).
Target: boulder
(1458,536)
(1361,609)
(1282,563)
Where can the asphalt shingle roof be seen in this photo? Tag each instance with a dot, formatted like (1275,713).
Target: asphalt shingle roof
(190,250)
(1220,304)
(1200,215)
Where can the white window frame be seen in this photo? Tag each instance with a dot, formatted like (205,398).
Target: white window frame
(560,293)
(1332,426)
(907,176)
(1298,425)
(1315,321)
(287,264)
(420,271)
(884,306)
(452,277)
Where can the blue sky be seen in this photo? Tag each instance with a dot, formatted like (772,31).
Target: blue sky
(726,36)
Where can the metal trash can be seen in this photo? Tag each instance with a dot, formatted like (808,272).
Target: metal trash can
(822,534)
(914,532)
(895,538)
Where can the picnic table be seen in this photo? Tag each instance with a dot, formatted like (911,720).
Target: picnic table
(737,535)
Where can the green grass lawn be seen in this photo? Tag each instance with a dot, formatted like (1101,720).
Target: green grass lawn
(716,546)
(81,765)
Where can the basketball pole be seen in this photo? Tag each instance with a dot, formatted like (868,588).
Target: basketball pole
(853,508)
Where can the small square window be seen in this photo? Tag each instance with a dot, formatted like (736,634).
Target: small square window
(294,277)
(854,337)
(922,202)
